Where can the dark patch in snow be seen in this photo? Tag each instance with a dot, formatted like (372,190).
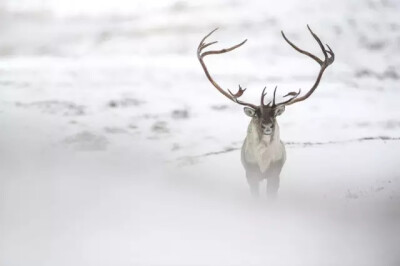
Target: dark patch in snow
(150,116)
(180,114)
(219,107)
(303,144)
(124,103)
(115,130)
(373,45)
(363,124)
(187,161)
(351,195)
(179,6)
(175,147)
(132,126)
(389,73)
(392,124)
(226,150)
(87,141)
(55,107)
(160,127)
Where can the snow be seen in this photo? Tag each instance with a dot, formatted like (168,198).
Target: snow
(116,150)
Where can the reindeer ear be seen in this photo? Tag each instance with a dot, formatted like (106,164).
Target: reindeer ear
(249,111)
(279,110)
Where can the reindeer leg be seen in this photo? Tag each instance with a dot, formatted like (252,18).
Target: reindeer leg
(273,185)
(273,180)
(254,182)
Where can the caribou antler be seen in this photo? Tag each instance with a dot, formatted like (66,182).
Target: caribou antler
(200,55)
(329,57)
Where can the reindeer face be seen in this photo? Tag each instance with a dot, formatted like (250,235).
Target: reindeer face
(266,116)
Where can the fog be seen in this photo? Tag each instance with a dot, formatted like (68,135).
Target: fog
(116,150)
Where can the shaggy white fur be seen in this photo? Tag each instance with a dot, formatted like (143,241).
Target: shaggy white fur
(263,149)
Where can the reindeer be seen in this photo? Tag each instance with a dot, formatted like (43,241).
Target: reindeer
(263,154)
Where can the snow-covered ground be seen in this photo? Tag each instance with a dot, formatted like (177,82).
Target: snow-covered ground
(116,150)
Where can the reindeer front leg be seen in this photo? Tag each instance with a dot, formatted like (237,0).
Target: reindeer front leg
(273,185)
(273,179)
(253,179)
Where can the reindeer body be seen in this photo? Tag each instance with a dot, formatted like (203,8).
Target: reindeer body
(263,153)
(263,157)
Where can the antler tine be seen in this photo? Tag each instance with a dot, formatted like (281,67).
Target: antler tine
(263,96)
(202,45)
(236,95)
(293,94)
(319,42)
(239,93)
(200,55)
(222,50)
(273,98)
(331,53)
(329,57)
(300,50)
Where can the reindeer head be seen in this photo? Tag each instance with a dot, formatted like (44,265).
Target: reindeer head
(265,114)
